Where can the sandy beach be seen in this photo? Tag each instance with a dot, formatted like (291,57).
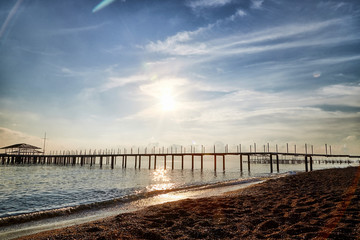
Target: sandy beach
(315,205)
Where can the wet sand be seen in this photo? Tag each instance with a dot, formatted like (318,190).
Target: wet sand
(315,205)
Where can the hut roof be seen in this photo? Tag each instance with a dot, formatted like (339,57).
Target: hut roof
(22,146)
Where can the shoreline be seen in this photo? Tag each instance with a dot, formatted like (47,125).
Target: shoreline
(49,220)
(314,205)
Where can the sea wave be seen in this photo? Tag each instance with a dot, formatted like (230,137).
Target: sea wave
(141,194)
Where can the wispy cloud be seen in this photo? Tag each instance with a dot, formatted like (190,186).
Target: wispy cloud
(207,3)
(176,44)
(114,82)
(185,43)
(65,31)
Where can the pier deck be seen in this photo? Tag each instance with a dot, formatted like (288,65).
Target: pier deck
(271,158)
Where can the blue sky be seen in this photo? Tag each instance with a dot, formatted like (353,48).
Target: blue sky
(109,74)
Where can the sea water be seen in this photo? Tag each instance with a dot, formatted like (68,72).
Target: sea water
(27,189)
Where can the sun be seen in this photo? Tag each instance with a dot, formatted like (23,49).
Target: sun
(167,102)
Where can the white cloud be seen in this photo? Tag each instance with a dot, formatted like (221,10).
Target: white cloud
(238,13)
(339,94)
(257,4)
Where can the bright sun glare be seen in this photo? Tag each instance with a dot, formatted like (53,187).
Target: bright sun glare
(167,102)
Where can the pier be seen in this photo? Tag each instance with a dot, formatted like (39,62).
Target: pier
(245,159)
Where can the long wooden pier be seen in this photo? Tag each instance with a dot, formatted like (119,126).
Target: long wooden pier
(274,159)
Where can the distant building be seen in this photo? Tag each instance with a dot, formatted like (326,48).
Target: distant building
(21,149)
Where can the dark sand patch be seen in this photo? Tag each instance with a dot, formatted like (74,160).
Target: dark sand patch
(315,205)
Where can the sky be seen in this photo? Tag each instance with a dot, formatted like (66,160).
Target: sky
(121,73)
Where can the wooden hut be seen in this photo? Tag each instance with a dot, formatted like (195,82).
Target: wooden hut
(21,149)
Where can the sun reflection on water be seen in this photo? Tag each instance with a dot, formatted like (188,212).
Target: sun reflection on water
(162,181)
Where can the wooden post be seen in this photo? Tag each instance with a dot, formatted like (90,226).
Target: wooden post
(125,161)
(249,162)
(325,149)
(101,161)
(241,162)
(277,163)
(82,161)
(306,164)
(214,158)
(287,148)
(164,161)
(214,162)
(149,161)
(172,162)
(139,161)
(271,164)
(112,161)
(223,163)
(182,161)
(155,162)
(192,161)
(311,163)
(202,162)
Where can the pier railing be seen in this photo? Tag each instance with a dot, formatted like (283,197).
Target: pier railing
(104,158)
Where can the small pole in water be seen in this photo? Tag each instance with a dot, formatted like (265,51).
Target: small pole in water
(155,161)
(241,162)
(202,162)
(182,161)
(287,147)
(172,162)
(326,149)
(223,162)
(192,161)
(214,158)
